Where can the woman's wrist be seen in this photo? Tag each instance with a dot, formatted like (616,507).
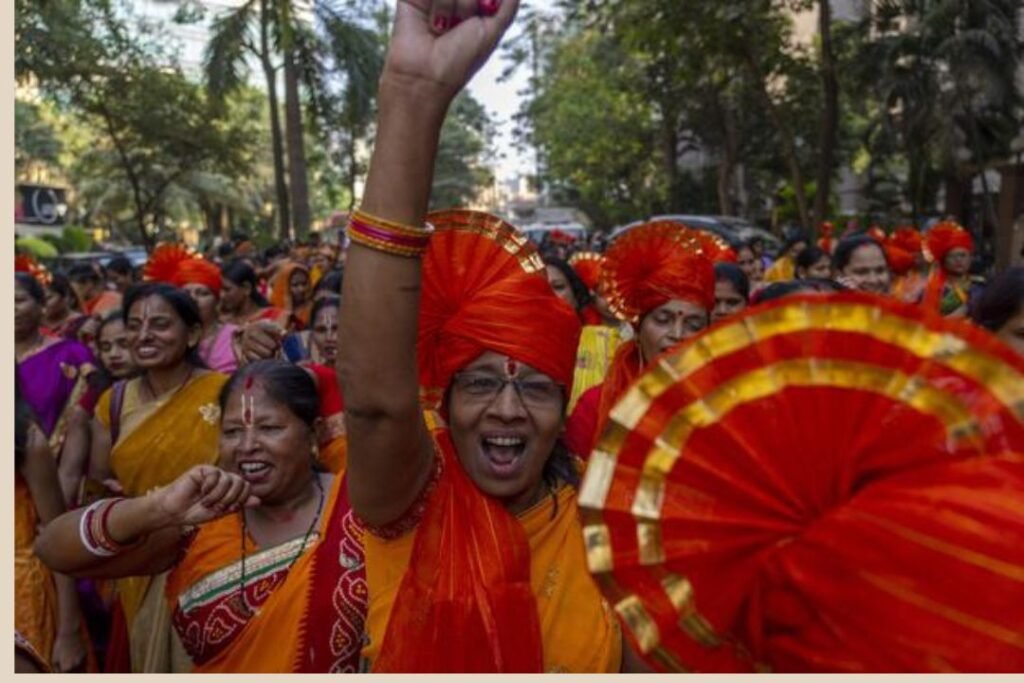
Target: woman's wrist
(415,101)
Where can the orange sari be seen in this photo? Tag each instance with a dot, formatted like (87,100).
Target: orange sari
(307,617)
(281,294)
(578,633)
(35,596)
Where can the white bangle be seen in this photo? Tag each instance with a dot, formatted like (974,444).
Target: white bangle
(85,535)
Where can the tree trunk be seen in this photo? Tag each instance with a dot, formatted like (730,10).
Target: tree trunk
(277,140)
(788,140)
(727,165)
(353,171)
(301,218)
(670,156)
(830,116)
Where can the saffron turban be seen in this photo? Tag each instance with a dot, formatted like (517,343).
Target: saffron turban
(485,289)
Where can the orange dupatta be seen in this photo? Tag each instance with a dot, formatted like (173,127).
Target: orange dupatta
(470,575)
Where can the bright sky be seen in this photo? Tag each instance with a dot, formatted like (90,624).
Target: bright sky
(502,101)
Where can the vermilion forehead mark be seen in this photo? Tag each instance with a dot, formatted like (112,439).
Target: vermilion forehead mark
(248,404)
(511,368)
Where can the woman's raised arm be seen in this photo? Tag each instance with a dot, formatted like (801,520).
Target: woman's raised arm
(389,452)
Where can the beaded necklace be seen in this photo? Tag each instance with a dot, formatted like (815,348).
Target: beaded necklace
(302,547)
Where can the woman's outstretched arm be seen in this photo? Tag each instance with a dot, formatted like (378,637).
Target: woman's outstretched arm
(390,453)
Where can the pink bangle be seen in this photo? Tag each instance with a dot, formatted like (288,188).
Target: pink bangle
(389,237)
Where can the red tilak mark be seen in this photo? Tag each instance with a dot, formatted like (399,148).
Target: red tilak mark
(511,368)
(248,383)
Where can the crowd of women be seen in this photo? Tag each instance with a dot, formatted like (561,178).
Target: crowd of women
(246,463)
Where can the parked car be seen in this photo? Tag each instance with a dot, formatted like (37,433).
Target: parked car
(137,256)
(539,231)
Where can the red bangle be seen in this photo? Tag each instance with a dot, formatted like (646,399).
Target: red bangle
(104,538)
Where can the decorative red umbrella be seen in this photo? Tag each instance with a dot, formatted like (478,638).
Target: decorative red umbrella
(824,483)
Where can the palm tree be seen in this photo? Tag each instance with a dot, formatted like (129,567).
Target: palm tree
(947,79)
(316,44)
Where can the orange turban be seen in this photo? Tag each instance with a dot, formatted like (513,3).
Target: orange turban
(902,248)
(587,265)
(175,264)
(23,263)
(657,262)
(484,289)
(827,242)
(943,238)
(200,272)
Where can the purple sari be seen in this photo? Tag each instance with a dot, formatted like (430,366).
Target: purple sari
(53,380)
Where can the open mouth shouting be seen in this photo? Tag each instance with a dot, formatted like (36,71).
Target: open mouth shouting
(503,453)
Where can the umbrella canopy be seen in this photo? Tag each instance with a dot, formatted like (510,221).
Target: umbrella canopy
(38,247)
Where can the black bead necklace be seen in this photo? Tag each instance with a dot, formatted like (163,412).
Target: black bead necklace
(298,553)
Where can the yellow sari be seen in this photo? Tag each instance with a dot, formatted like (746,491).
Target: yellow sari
(782,270)
(596,350)
(159,441)
(578,631)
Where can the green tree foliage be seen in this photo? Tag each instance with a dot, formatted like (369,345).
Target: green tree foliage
(948,99)
(914,96)
(153,131)
(459,173)
(331,67)
(597,130)
(36,142)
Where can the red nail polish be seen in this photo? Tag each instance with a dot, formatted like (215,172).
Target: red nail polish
(456,21)
(440,23)
(489,7)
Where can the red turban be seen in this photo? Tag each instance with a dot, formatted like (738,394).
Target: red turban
(197,271)
(827,242)
(657,262)
(943,238)
(902,248)
(484,289)
(587,265)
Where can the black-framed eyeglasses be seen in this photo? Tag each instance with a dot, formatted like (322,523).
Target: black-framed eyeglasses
(539,392)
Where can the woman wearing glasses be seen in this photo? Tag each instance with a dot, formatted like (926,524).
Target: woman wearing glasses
(474,553)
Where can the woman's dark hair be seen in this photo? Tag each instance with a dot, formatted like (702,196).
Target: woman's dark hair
(285,383)
(120,265)
(240,273)
(322,303)
(794,239)
(85,271)
(808,257)
(731,273)
(331,282)
(1002,299)
(116,315)
(579,290)
(60,284)
(32,286)
(23,420)
(184,306)
(848,245)
(101,380)
(273,251)
(777,290)
(225,250)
